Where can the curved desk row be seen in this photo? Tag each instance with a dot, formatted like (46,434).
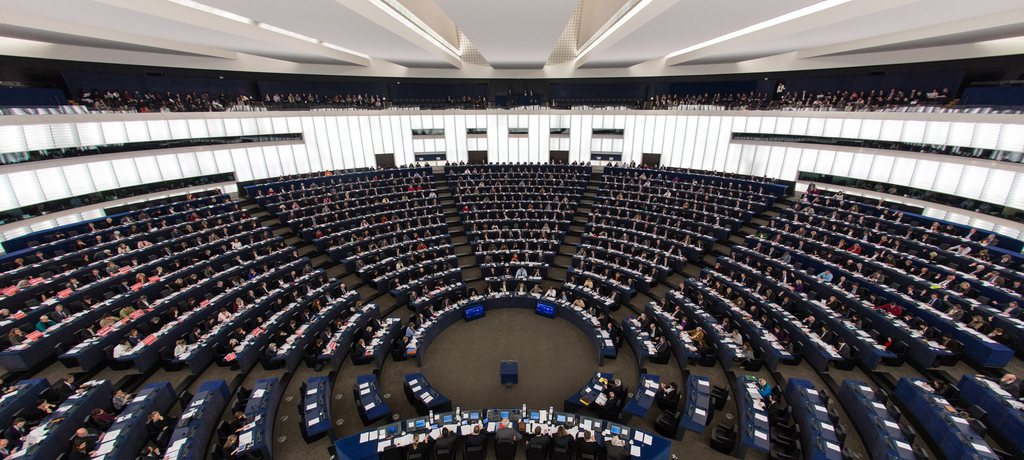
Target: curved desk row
(545,306)
(315,407)
(341,342)
(198,421)
(422,395)
(389,441)
(256,438)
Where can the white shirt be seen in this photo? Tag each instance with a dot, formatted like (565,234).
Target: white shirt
(121,350)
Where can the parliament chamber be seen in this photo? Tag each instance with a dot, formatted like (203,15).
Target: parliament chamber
(542,230)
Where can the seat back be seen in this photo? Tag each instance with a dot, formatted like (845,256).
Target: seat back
(505,450)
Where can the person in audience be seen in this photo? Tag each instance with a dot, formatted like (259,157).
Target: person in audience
(38,412)
(16,336)
(123,348)
(587,444)
(64,388)
(764,388)
(45,323)
(79,450)
(1010,384)
(86,436)
(101,419)
(180,348)
(5,448)
(667,394)
(416,448)
(120,399)
(616,450)
(477,438)
(505,432)
(15,434)
(158,429)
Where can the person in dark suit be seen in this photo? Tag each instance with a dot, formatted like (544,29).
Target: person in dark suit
(539,440)
(562,440)
(616,450)
(587,444)
(476,438)
(417,449)
(446,441)
(14,433)
(64,388)
(87,436)
(843,349)
(359,348)
(505,432)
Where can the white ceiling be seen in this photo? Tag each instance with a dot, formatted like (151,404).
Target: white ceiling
(511,34)
(510,39)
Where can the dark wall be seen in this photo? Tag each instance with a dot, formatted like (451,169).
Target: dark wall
(31,97)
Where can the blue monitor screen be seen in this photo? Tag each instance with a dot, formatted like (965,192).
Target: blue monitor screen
(421,423)
(474,312)
(616,429)
(474,415)
(446,419)
(504,414)
(560,418)
(544,309)
(535,415)
(393,429)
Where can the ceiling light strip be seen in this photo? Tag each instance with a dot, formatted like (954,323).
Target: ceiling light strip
(622,16)
(397,11)
(262,25)
(792,15)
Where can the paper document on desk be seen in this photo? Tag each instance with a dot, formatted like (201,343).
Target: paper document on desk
(648,439)
(466,430)
(403,441)
(416,389)
(365,437)
(364,392)
(311,406)
(760,417)
(105,448)
(244,439)
(371,405)
(699,411)
(383,445)
(981,448)
(649,392)
(761,435)
(634,451)
(832,446)
(891,424)
(311,391)
(257,393)
(313,421)
(427,398)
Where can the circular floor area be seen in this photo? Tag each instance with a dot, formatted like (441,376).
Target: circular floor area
(556,359)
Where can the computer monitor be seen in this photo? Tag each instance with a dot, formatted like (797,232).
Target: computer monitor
(421,423)
(560,418)
(616,430)
(534,415)
(392,429)
(544,309)
(504,414)
(474,415)
(474,312)
(447,418)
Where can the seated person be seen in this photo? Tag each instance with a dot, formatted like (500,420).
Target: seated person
(101,419)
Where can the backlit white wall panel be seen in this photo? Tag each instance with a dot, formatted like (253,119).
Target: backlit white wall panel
(683,139)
